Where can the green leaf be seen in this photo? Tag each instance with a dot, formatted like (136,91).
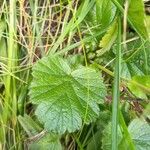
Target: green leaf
(38,140)
(65,97)
(146,112)
(136,15)
(140,86)
(140,132)
(105,12)
(3,50)
(3,47)
(106,140)
(48,142)
(147,19)
(2,28)
(130,69)
(125,71)
(95,142)
(108,39)
(29,126)
(134,69)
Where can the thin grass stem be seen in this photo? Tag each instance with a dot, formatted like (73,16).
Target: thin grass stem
(116,91)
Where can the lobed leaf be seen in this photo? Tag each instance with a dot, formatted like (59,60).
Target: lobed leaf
(65,97)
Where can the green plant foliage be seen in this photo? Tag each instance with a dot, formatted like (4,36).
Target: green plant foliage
(131,69)
(137,57)
(147,18)
(105,12)
(136,15)
(48,142)
(49,99)
(134,69)
(146,112)
(2,40)
(125,72)
(108,39)
(2,28)
(65,97)
(140,86)
(106,140)
(3,52)
(29,126)
(140,133)
(95,142)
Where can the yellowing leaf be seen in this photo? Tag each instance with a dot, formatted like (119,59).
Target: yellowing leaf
(108,39)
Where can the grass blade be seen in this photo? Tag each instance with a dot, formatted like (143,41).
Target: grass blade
(116,93)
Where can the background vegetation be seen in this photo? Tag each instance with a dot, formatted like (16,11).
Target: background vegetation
(74,74)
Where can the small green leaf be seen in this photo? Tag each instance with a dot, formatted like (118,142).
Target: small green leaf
(65,97)
(140,86)
(108,39)
(29,126)
(125,72)
(136,15)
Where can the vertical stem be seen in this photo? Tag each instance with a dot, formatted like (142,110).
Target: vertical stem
(145,57)
(116,90)
(126,6)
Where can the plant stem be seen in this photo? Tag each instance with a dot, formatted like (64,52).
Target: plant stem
(116,93)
